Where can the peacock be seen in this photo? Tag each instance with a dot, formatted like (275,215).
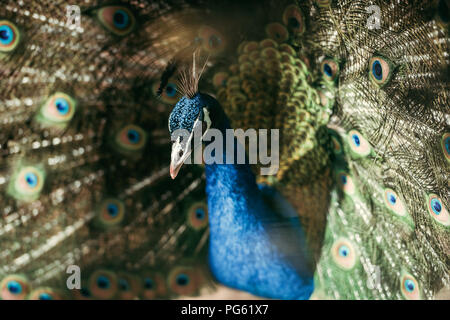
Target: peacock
(91,92)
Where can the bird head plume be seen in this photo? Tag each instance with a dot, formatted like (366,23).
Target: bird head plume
(190,77)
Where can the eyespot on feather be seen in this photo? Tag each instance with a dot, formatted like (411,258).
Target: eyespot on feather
(437,210)
(409,287)
(277,32)
(220,79)
(111,213)
(117,19)
(9,36)
(170,94)
(213,41)
(131,138)
(330,69)
(344,254)
(84,293)
(197,215)
(293,19)
(358,144)
(394,203)
(380,70)
(27,183)
(346,184)
(128,286)
(14,287)
(103,284)
(44,294)
(57,110)
(153,286)
(183,281)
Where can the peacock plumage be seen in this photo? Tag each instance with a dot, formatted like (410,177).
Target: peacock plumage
(358,208)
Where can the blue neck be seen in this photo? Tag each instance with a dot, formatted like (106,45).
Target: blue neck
(253,248)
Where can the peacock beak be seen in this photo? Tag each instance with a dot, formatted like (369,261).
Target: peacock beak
(181,150)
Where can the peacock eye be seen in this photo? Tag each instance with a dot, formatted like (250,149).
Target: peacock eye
(84,292)
(148,284)
(445,143)
(394,203)
(198,41)
(111,213)
(182,281)
(358,144)
(9,36)
(409,287)
(344,251)
(57,110)
(27,183)
(212,40)
(14,287)
(293,19)
(343,254)
(171,90)
(437,210)
(346,183)
(43,294)
(103,284)
(170,94)
(380,70)
(277,32)
(154,286)
(128,285)
(131,138)
(124,285)
(198,215)
(330,69)
(117,19)
(220,79)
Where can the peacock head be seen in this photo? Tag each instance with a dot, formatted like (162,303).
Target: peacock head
(189,121)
